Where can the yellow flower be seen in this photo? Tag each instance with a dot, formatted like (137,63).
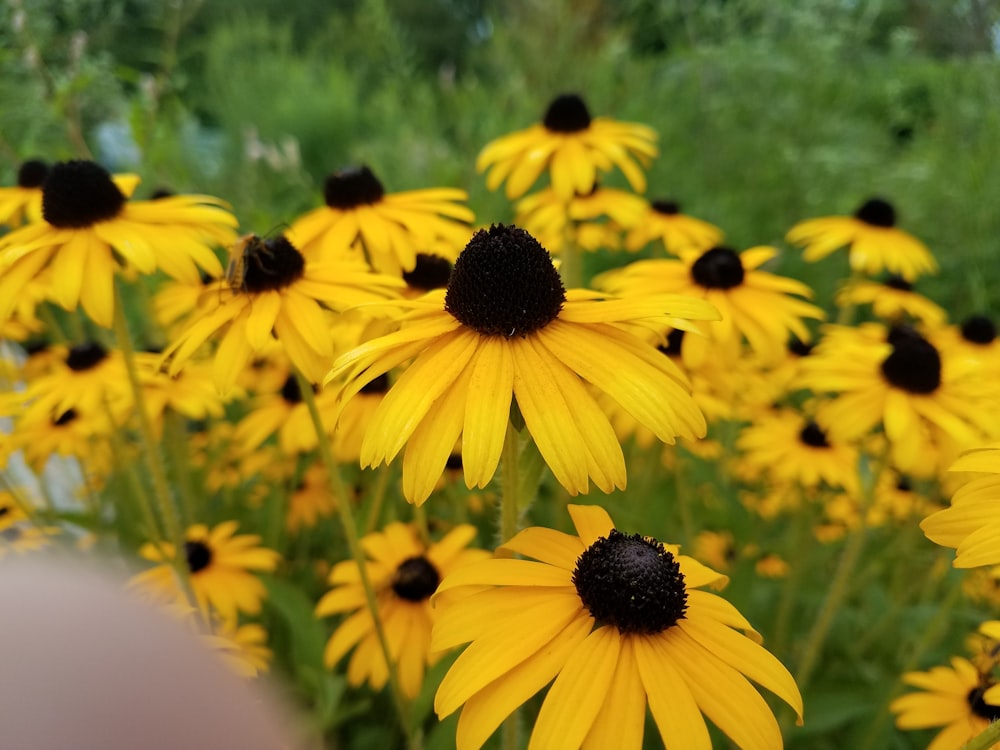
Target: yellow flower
(404,572)
(573,147)
(311,501)
(619,620)
(506,330)
(274,290)
(754,304)
(972,524)
(91,229)
(875,243)
(958,698)
(22,204)
(594,220)
(892,300)
(220,563)
(663,221)
(286,414)
(896,378)
(388,229)
(242,647)
(789,447)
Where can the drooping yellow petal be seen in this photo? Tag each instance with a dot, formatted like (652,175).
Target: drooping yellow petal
(487,410)
(673,707)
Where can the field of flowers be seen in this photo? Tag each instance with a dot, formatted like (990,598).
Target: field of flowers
(497,375)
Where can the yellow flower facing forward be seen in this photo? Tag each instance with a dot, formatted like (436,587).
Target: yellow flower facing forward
(895,378)
(22,203)
(388,228)
(222,565)
(971,525)
(574,147)
(91,230)
(789,447)
(619,621)
(874,242)
(958,698)
(284,413)
(754,304)
(975,339)
(592,220)
(893,300)
(274,291)
(505,329)
(663,221)
(405,573)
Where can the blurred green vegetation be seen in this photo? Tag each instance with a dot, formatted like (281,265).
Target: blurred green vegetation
(768,113)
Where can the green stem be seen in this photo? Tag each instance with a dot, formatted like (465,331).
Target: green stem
(151,451)
(176,441)
(377,497)
(347,522)
(840,586)
(986,739)
(510,501)
(803,540)
(570,260)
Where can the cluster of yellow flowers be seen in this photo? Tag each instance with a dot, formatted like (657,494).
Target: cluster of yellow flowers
(386,323)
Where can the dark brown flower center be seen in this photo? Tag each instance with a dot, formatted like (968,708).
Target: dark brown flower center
(198,556)
(914,364)
(675,339)
(898,282)
(631,583)
(979,706)
(352,187)
(85,356)
(666,207)
(415,579)
(377,386)
(718,268)
(65,418)
(32,173)
(978,329)
(813,436)
(504,284)
(567,114)
(430,272)
(877,212)
(799,348)
(79,194)
(290,391)
(265,265)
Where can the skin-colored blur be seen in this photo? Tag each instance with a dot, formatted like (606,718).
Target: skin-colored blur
(85,667)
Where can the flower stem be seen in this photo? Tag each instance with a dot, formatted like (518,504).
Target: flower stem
(154,462)
(985,739)
(840,586)
(347,522)
(510,482)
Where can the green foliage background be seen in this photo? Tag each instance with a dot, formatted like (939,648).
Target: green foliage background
(769,113)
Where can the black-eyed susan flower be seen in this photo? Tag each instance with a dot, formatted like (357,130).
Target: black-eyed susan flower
(958,698)
(761,307)
(69,433)
(663,221)
(892,300)
(788,446)
(971,524)
(388,229)
(574,147)
(243,648)
(284,413)
(430,272)
(895,378)
(222,566)
(591,221)
(874,242)
(974,338)
(505,329)
(311,501)
(619,621)
(90,380)
(404,572)
(22,203)
(91,230)
(23,538)
(274,291)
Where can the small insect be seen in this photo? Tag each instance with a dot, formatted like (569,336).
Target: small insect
(250,252)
